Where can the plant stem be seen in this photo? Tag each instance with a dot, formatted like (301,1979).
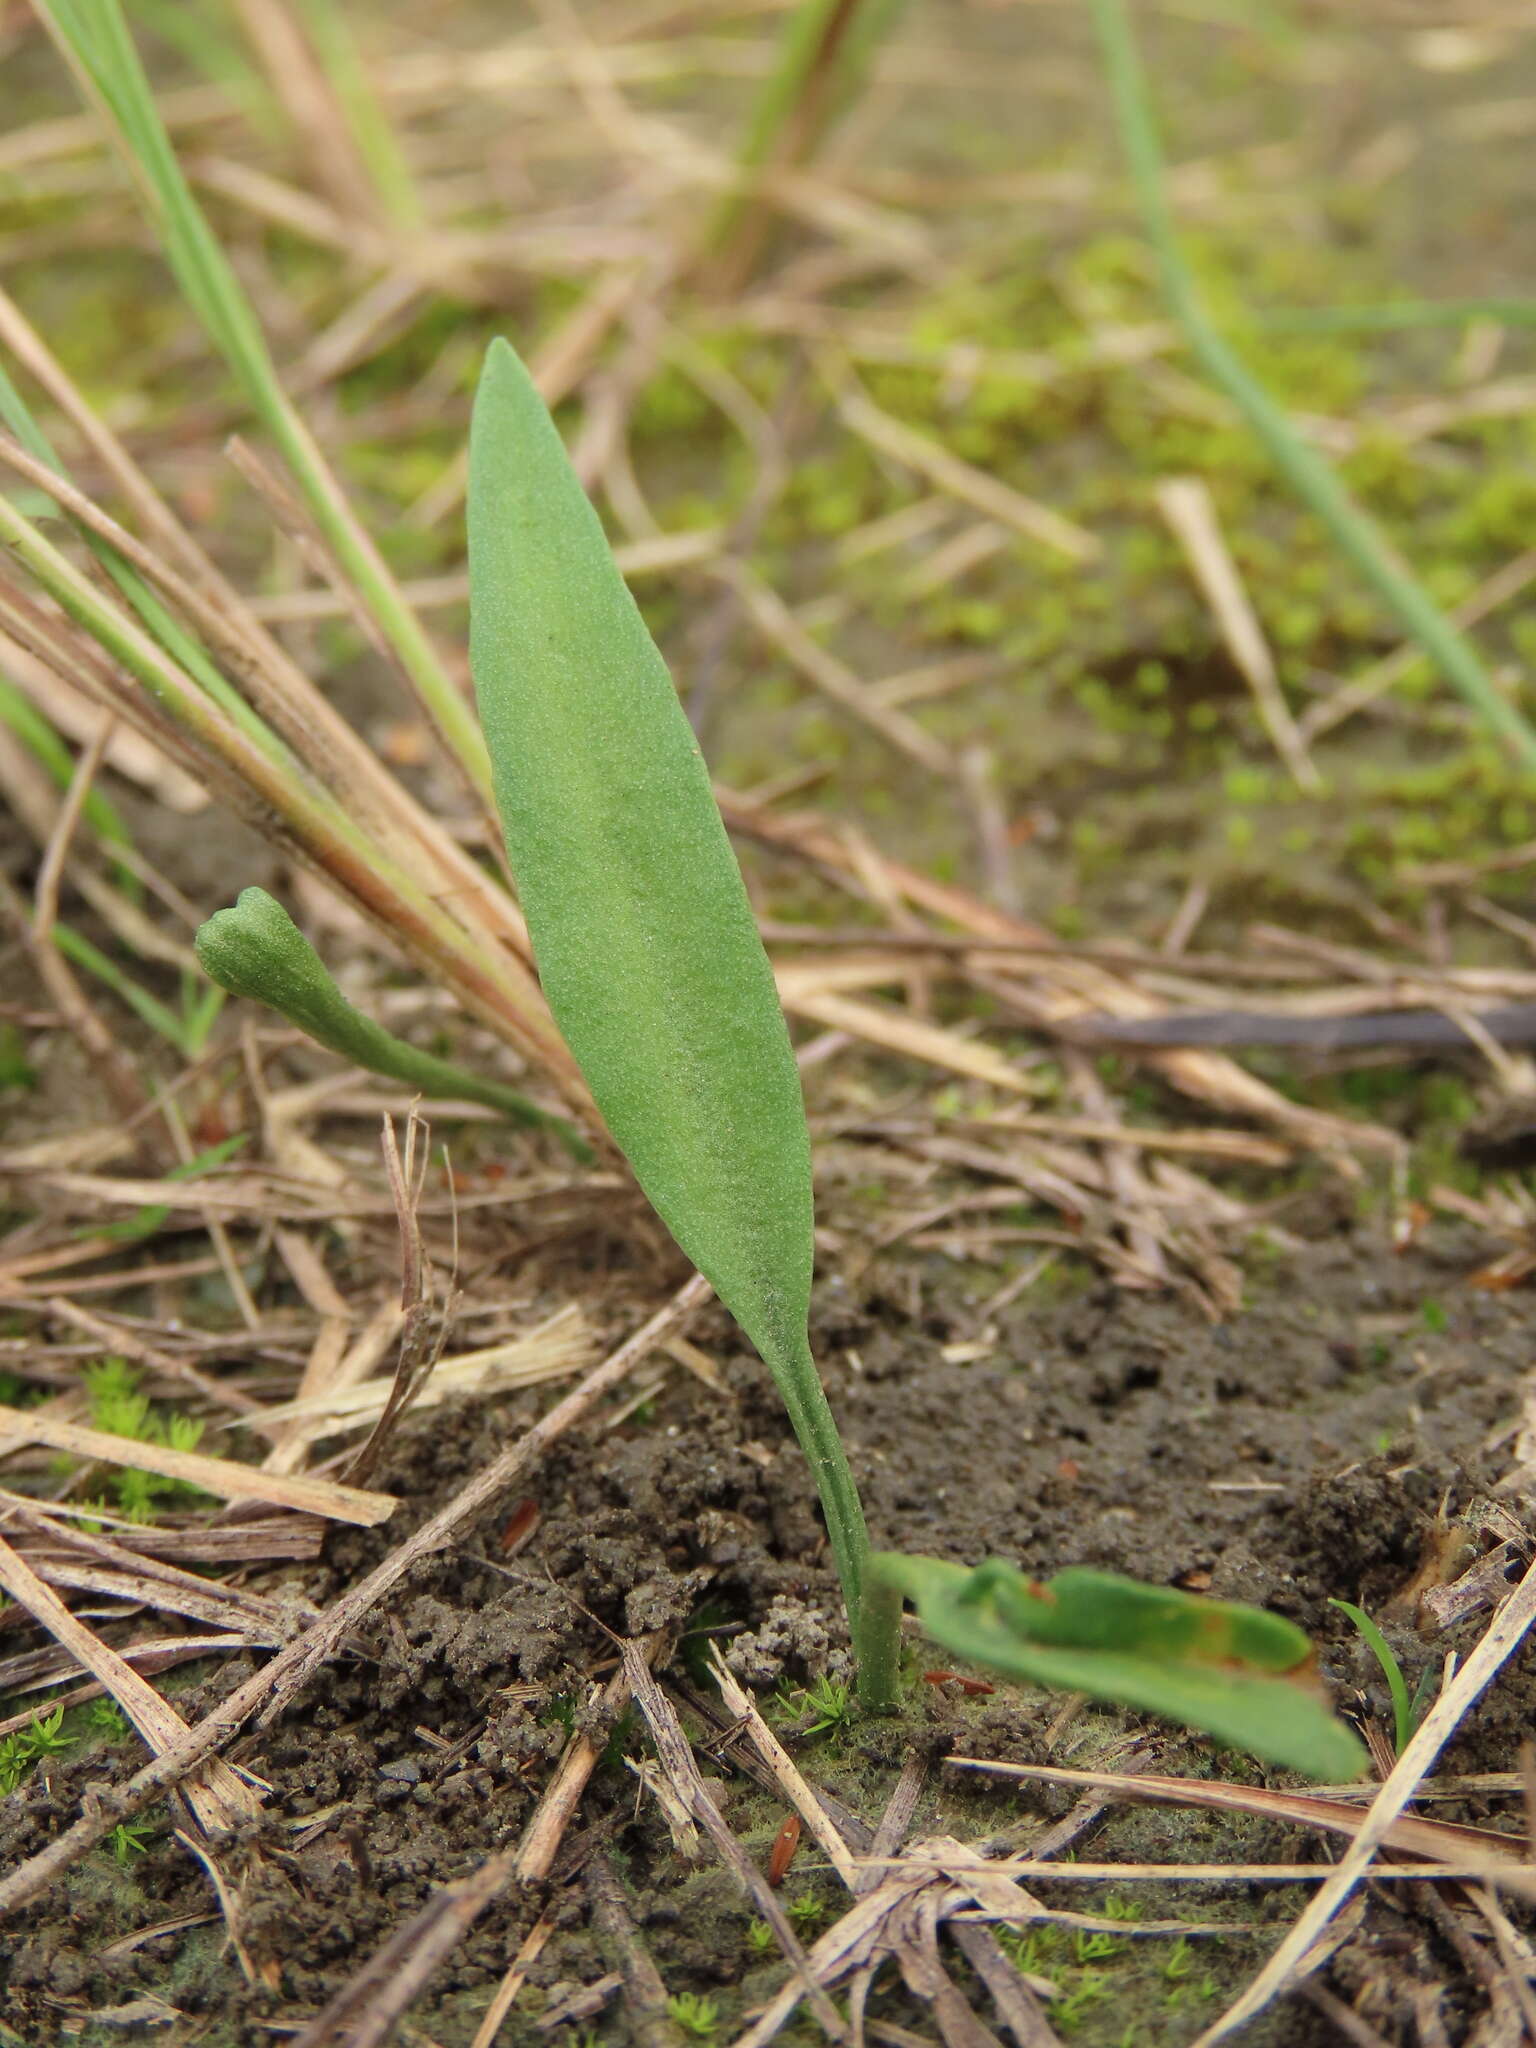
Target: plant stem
(1307,472)
(877,1641)
(257,951)
(872,1618)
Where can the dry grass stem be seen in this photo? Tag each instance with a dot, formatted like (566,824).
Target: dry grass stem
(1503,1637)
(1187,506)
(560,1346)
(974,487)
(222,1477)
(219,1799)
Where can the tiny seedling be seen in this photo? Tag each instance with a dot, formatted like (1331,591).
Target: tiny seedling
(1408,1710)
(45,1735)
(128,1839)
(826,1703)
(1178,1962)
(650,960)
(1095,1946)
(25,1748)
(804,1909)
(698,2016)
(118,1407)
(761,1939)
(1091,1989)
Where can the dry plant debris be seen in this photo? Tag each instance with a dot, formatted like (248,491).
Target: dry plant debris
(952,1044)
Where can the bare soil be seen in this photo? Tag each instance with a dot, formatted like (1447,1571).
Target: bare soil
(1313,1447)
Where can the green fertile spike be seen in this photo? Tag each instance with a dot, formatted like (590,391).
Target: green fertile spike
(257,950)
(645,941)
(1235,1672)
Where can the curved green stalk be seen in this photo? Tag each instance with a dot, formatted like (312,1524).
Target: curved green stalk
(1307,472)
(257,950)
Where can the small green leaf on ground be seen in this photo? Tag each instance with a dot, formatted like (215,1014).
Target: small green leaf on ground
(1238,1673)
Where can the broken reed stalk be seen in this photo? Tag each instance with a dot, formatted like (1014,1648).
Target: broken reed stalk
(1307,472)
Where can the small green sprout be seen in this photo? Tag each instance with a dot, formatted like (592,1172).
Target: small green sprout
(805,1909)
(827,1701)
(831,1703)
(1095,1946)
(1091,1988)
(761,1939)
(1178,1962)
(128,1839)
(44,1735)
(15,1762)
(119,1408)
(1035,1949)
(1408,1710)
(696,2015)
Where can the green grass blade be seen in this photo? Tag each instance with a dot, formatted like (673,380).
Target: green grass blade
(645,941)
(1308,473)
(1403,1718)
(94,38)
(147,1008)
(372,136)
(1234,1672)
(21,715)
(824,52)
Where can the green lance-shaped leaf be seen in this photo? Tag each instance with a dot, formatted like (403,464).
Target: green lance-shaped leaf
(257,950)
(1239,1673)
(645,941)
